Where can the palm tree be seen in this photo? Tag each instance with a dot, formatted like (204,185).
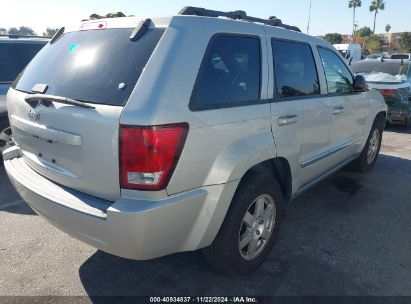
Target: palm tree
(388,29)
(376,5)
(354,4)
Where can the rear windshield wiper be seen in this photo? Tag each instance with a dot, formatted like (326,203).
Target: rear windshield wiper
(33,99)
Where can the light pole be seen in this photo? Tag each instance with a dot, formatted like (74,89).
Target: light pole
(309,17)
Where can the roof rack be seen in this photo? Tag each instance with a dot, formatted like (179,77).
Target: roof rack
(236,15)
(16,36)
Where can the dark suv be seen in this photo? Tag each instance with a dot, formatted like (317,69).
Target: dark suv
(15,53)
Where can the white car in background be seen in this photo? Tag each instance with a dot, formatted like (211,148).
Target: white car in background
(403,56)
(393,79)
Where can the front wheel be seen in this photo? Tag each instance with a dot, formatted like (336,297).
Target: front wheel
(369,155)
(250,228)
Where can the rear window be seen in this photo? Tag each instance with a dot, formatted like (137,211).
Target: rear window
(10,65)
(230,73)
(386,67)
(97,66)
(400,56)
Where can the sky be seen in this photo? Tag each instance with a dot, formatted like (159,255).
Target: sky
(326,15)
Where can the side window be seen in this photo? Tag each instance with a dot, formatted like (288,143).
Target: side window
(10,65)
(295,71)
(27,51)
(229,75)
(339,79)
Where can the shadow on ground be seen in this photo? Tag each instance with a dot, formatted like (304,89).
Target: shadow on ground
(347,236)
(398,129)
(10,201)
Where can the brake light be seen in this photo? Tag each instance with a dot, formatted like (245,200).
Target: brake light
(99,25)
(148,155)
(388,92)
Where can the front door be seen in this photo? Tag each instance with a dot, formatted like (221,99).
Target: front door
(349,109)
(300,119)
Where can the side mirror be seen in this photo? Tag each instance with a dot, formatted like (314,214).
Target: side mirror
(360,84)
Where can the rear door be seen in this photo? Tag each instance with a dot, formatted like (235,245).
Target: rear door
(300,118)
(73,145)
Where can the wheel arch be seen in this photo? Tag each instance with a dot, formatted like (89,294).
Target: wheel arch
(279,168)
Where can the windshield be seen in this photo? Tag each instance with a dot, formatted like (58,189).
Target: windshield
(386,71)
(97,66)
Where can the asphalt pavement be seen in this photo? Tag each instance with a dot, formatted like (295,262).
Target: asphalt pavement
(350,235)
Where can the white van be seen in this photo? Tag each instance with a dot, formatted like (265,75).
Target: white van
(350,51)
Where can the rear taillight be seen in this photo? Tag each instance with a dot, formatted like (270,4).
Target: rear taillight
(388,93)
(148,155)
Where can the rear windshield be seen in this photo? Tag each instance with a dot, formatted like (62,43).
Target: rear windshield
(387,67)
(400,56)
(10,64)
(97,66)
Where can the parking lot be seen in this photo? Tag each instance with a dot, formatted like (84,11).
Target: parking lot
(350,235)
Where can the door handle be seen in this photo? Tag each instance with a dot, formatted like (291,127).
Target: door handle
(338,110)
(287,120)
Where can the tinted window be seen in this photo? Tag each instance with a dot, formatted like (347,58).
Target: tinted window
(400,56)
(339,78)
(27,51)
(295,71)
(229,75)
(94,66)
(10,65)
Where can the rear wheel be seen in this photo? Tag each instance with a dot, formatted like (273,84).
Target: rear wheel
(250,227)
(369,155)
(5,139)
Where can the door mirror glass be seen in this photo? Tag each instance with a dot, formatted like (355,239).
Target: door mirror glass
(360,84)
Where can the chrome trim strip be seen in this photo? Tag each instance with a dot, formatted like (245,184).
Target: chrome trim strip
(324,176)
(45,132)
(330,152)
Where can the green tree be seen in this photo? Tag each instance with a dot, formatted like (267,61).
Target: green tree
(333,38)
(376,6)
(50,32)
(374,44)
(405,42)
(364,32)
(354,4)
(13,31)
(22,30)
(109,15)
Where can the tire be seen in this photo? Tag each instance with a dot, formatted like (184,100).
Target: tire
(224,254)
(369,155)
(5,139)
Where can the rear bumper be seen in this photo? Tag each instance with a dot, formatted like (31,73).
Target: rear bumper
(130,228)
(398,118)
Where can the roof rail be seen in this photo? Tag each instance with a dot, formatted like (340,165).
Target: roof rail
(236,15)
(16,36)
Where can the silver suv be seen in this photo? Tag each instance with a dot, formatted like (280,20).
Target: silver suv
(149,137)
